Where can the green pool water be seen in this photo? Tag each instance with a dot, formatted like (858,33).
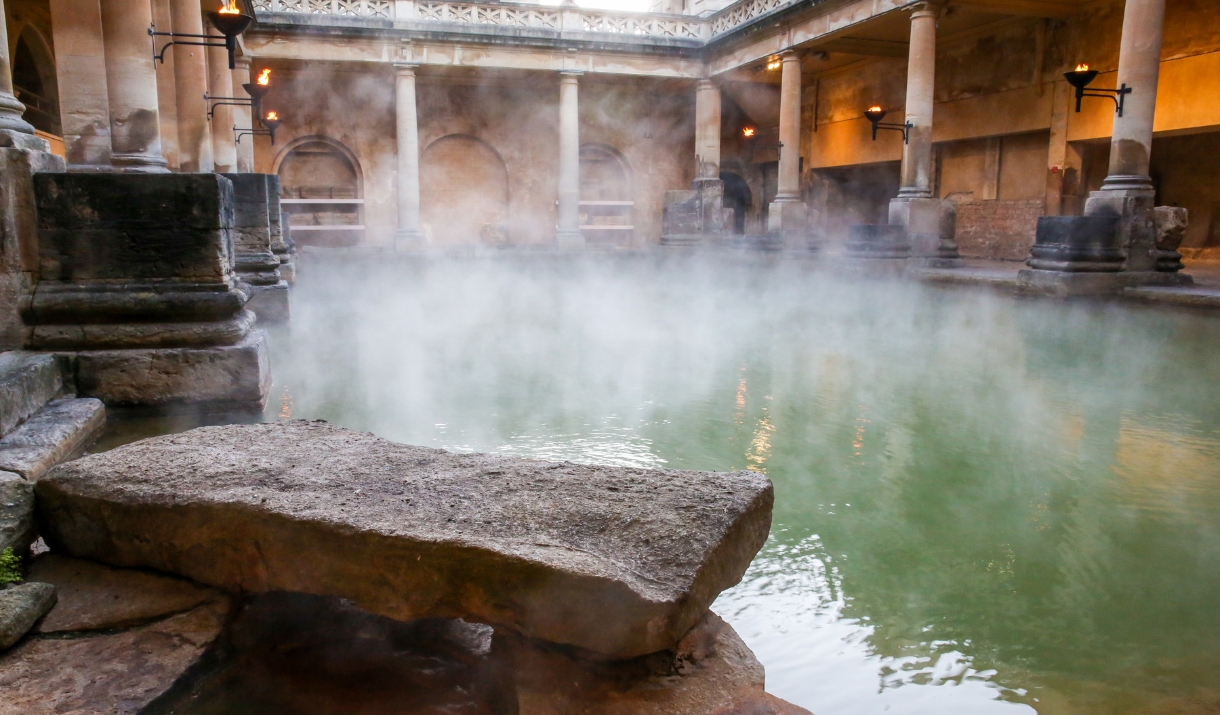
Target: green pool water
(983,505)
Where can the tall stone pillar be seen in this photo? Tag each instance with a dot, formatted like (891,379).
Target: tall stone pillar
(409,237)
(242,116)
(131,83)
(191,78)
(220,84)
(1127,191)
(786,217)
(568,234)
(10,109)
(80,65)
(930,223)
(707,129)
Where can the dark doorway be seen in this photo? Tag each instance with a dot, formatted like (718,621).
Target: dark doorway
(737,197)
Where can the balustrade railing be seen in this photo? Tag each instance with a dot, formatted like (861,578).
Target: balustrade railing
(546,17)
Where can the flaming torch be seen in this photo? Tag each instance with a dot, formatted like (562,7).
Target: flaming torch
(231,22)
(272,121)
(259,89)
(747,132)
(1082,76)
(875,114)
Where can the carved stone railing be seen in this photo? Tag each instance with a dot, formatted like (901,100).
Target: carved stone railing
(545,17)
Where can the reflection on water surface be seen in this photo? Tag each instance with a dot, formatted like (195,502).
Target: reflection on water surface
(982,504)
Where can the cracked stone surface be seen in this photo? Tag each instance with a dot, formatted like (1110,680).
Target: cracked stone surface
(618,561)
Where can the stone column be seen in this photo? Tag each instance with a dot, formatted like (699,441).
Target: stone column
(10,109)
(786,215)
(1127,191)
(191,77)
(131,82)
(931,224)
(707,129)
(242,116)
(220,84)
(80,63)
(568,234)
(409,237)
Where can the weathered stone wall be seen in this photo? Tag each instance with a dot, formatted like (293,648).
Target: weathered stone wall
(515,119)
(1001,230)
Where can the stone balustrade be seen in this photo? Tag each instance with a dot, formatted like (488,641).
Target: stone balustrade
(545,17)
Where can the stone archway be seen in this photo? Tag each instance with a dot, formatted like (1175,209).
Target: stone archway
(35,82)
(463,193)
(321,192)
(607,196)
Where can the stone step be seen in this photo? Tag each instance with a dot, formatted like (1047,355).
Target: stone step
(55,433)
(618,561)
(27,382)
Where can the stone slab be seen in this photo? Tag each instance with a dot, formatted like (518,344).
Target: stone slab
(95,596)
(238,374)
(27,382)
(55,433)
(618,561)
(1070,284)
(20,608)
(119,673)
(16,513)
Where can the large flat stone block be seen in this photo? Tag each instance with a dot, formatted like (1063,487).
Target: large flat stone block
(619,562)
(27,382)
(238,374)
(56,432)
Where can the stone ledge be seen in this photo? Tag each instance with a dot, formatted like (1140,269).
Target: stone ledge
(27,382)
(55,433)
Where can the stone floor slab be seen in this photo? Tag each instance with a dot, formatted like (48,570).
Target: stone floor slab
(55,433)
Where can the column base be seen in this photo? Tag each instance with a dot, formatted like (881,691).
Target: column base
(17,139)
(11,110)
(569,240)
(139,164)
(787,222)
(931,226)
(409,240)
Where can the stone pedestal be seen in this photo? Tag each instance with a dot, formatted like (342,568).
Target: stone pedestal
(136,284)
(254,262)
(21,156)
(694,217)
(1171,223)
(878,241)
(788,224)
(931,226)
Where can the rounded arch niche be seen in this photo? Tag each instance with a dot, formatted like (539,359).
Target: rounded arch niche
(607,196)
(321,192)
(463,192)
(35,82)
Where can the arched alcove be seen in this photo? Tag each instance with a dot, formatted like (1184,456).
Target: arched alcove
(463,192)
(321,191)
(35,82)
(737,196)
(607,195)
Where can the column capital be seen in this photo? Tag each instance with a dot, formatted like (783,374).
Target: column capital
(406,69)
(791,55)
(706,84)
(569,75)
(927,8)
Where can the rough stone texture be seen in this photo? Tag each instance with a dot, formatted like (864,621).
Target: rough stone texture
(997,230)
(1171,225)
(55,433)
(27,382)
(21,156)
(711,672)
(95,596)
(618,561)
(20,608)
(16,513)
(115,673)
(237,374)
(227,330)
(270,303)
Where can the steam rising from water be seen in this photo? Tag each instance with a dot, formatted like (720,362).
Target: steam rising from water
(982,504)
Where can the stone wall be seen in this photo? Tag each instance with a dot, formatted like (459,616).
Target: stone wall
(1002,230)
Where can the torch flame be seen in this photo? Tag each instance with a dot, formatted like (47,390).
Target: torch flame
(747,132)
(230,8)
(265,78)
(774,65)
(874,108)
(1082,67)
(272,116)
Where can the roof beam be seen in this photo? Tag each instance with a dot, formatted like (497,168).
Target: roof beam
(866,47)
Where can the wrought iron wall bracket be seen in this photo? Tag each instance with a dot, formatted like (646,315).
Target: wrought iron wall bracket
(160,56)
(904,128)
(223,101)
(1118,95)
(239,133)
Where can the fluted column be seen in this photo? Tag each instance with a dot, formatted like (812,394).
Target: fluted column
(242,116)
(220,84)
(10,109)
(191,80)
(1139,66)
(789,185)
(131,82)
(568,234)
(409,236)
(921,82)
(707,130)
